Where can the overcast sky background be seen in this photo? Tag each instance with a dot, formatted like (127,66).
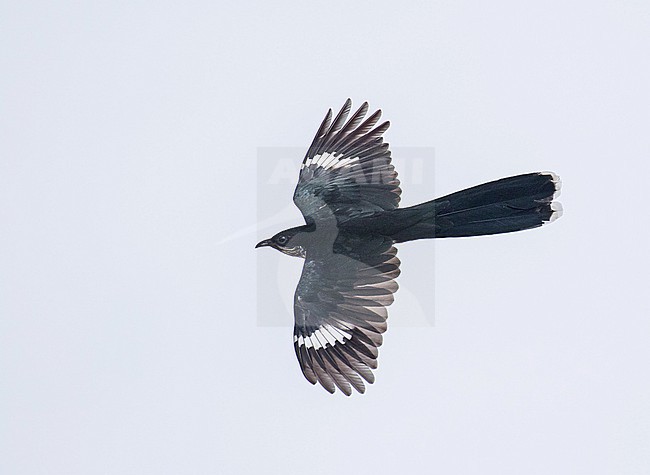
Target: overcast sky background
(130,334)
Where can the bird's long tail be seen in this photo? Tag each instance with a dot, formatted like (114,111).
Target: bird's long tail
(501,206)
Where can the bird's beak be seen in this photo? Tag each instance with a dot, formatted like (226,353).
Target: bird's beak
(266,242)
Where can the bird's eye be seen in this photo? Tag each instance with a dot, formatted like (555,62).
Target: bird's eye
(282,240)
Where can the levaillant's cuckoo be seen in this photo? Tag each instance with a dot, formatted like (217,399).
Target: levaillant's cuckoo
(349,193)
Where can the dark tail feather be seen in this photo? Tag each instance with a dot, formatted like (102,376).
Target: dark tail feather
(501,206)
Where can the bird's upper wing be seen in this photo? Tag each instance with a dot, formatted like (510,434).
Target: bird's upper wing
(340,312)
(347,168)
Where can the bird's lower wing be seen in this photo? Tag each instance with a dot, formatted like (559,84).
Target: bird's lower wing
(340,314)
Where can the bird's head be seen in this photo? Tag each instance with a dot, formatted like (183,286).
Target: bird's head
(290,241)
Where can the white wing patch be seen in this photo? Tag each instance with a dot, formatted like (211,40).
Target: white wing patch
(323,336)
(329,161)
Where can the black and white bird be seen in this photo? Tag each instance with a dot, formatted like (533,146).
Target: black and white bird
(348,193)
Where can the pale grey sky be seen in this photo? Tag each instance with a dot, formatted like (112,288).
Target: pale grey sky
(130,340)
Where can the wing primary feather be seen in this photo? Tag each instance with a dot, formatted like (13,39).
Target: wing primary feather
(358,364)
(321,371)
(369,343)
(359,322)
(369,361)
(368,124)
(378,149)
(348,128)
(364,350)
(348,370)
(306,365)
(329,364)
(359,147)
(321,131)
(338,122)
(335,372)
(362,142)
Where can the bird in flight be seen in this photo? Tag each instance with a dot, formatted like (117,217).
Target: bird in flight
(348,193)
